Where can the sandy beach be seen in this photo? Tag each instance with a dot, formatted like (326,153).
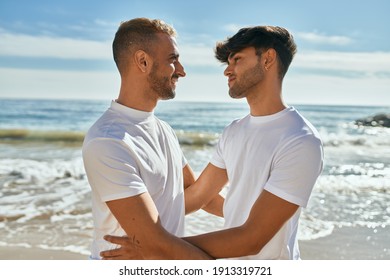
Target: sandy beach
(21,253)
(343,244)
(349,244)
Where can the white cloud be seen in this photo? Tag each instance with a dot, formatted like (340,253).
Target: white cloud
(316,38)
(58,84)
(197,55)
(333,90)
(54,47)
(191,55)
(365,62)
(22,45)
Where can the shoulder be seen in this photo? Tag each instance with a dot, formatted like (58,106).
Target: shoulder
(100,147)
(235,124)
(106,126)
(163,124)
(165,127)
(298,126)
(299,135)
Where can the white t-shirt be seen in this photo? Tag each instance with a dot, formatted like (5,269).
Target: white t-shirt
(281,153)
(128,152)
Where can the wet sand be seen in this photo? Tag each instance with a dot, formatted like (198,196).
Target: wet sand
(343,244)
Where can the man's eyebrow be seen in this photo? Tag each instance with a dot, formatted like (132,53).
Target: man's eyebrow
(174,55)
(230,57)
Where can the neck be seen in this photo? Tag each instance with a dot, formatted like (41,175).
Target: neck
(267,100)
(134,96)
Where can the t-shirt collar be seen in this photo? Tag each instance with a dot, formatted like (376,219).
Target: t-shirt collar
(130,112)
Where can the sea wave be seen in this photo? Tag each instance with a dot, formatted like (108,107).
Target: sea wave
(77,137)
(186,138)
(37,190)
(356,136)
(27,135)
(197,138)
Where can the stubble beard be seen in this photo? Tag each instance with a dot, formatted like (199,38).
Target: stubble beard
(249,79)
(161,86)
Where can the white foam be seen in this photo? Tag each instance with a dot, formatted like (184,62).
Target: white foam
(34,188)
(351,135)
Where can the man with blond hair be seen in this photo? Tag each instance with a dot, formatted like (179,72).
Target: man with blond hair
(133,161)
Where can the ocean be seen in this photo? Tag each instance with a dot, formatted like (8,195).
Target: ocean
(45,196)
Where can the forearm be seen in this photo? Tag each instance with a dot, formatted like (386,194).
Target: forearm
(206,189)
(215,206)
(192,200)
(139,218)
(159,247)
(229,243)
(174,248)
(159,244)
(267,216)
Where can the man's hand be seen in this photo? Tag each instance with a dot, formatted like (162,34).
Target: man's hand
(129,249)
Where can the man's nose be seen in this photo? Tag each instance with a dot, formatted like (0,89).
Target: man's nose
(180,69)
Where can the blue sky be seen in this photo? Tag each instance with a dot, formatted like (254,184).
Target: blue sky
(62,49)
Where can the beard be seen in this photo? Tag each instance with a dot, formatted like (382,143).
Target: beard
(249,79)
(162,86)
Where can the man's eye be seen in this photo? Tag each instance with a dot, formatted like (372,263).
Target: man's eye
(174,58)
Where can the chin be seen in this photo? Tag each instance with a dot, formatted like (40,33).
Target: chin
(234,96)
(168,97)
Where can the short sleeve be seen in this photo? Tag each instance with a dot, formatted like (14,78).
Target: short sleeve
(111,170)
(184,161)
(295,170)
(217,159)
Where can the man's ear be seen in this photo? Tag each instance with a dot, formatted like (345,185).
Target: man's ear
(269,58)
(142,60)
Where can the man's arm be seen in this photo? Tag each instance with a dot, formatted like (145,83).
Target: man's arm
(147,239)
(201,196)
(204,193)
(188,176)
(267,216)
(139,218)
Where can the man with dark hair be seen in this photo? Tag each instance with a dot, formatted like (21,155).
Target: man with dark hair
(261,38)
(271,158)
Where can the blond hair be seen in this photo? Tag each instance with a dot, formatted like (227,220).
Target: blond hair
(135,34)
